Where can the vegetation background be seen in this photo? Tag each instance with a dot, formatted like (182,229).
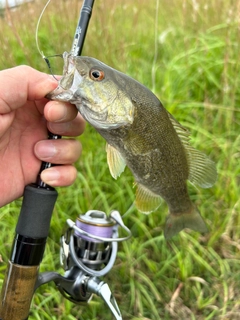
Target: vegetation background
(187,53)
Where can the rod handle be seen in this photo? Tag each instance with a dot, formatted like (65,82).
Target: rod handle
(36,212)
(17,291)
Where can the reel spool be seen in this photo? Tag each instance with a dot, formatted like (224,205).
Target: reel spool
(91,242)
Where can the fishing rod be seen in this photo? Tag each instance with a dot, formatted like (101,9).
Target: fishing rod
(77,46)
(88,247)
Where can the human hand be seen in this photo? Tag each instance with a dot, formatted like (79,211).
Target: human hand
(25,116)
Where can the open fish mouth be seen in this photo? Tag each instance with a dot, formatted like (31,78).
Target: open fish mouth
(60,94)
(66,89)
(68,84)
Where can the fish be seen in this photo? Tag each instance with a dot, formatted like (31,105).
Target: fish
(141,134)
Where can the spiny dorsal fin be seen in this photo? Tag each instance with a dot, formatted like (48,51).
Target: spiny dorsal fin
(115,161)
(146,201)
(202,170)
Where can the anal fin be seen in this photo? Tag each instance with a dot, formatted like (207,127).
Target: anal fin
(146,201)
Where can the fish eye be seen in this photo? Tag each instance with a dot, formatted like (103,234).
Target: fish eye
(96,74)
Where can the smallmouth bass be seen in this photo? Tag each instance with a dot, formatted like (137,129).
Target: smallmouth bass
(141,134)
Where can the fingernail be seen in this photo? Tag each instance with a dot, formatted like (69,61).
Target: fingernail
(45,149)
(50,176)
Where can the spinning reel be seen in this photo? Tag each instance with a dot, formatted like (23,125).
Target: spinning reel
(88,252)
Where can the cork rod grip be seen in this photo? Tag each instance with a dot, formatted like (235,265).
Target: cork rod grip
(17,292)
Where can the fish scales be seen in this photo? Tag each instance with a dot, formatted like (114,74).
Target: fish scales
(149,160)
(141,134)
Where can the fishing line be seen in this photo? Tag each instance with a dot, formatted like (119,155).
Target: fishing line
(154,68)
(37,43)
(37,27)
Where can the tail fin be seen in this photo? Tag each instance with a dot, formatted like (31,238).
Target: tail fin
(176,223)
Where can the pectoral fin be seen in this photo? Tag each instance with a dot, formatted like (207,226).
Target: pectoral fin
(202,170)
(116,162)
(146,201)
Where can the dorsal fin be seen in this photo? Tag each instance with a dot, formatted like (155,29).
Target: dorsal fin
(202,170)
(115,161)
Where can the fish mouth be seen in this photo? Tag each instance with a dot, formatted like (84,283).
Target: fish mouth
(60,94)
(68,84)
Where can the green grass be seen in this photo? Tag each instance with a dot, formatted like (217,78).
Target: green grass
(189,56)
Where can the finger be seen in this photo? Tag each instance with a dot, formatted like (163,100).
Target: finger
(56,111)
(72,128)
(59,176)
(62,151)
(5,122)
(26,84)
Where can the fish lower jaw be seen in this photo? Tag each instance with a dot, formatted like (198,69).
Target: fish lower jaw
(60,94)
